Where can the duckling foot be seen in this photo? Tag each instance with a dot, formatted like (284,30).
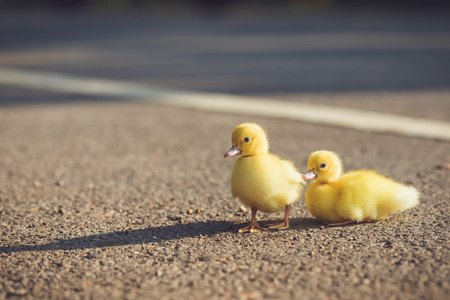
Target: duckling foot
(366,220)
(252,227)
(279,226)
(340,223)
(285,223)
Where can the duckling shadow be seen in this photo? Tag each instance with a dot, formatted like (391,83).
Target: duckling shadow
(151,235)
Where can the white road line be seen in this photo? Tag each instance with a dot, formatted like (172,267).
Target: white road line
(214,102)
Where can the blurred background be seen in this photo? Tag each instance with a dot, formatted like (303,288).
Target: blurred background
(275,49)
(199,4)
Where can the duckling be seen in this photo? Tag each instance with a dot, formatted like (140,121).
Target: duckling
(357,196)
(261,180)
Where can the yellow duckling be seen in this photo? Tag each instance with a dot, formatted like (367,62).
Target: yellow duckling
(262,180)
(357,196)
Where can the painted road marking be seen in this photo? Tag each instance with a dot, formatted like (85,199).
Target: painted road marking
(224,103)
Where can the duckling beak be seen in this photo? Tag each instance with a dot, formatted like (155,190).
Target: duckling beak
(233,151)
(309,175)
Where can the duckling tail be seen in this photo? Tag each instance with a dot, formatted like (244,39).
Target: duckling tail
(406,197)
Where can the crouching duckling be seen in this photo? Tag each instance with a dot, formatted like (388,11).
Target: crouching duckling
(356,196)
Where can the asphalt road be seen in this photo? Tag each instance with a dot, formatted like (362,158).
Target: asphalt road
(319,52)
(128,200)
(117,199)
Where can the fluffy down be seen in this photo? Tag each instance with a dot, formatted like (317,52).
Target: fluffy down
(260,180)
(357,196)
(266,182)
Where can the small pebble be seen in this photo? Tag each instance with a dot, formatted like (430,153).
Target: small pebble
(444,166)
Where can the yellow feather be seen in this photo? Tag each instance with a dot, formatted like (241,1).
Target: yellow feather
(266,182)
(260,179)
(355,196)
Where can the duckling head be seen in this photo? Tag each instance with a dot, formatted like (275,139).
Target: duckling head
(324,166)
(248,139)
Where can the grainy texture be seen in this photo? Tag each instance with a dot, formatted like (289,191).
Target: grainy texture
(115,200)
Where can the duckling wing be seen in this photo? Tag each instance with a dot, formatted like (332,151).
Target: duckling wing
(356,200)
(266,182)
(291,173)
(367,194)
(291,183)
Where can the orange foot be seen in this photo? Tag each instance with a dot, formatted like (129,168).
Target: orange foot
(366,220)
(285,223)
(279,226)
(252,227)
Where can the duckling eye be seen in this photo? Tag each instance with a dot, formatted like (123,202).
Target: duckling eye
(247,139)
(323,165)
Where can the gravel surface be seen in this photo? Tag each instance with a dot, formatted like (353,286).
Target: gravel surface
(131,200)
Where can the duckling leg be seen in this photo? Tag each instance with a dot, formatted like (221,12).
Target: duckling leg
(253,226)
(285,223)
(340,223)
(366,220)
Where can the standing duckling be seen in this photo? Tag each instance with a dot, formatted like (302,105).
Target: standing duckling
(357,196)
(262,180)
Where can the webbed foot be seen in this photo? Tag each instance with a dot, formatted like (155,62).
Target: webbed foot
(279,226)
(252,227)
(283,224)
(366,220)
(340,223)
